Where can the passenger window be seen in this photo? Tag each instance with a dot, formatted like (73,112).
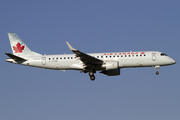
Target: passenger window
(64,57)
(121,55)
(114,56)
(144,55)
(97,56)
(125,55)
(129,55)
(118,56)
(106,56)
(49,58)
(136,55)
(140,55)
(101,56)
(57,58)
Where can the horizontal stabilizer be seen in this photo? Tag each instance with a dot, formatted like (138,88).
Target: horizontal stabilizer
(14,57)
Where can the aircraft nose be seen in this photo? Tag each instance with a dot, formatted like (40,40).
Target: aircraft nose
(173,61)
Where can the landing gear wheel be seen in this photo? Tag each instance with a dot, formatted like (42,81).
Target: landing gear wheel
(91,73)
(157,67)
(92,78)
(157,73)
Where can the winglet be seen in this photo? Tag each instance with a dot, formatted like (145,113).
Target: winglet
(70,47)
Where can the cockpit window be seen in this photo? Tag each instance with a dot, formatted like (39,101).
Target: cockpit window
(163,54)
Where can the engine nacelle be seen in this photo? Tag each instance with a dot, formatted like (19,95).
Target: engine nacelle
(111,72)
(111,65)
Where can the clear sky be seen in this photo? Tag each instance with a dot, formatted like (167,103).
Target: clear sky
(28,93)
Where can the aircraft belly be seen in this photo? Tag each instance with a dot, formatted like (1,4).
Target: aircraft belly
(69,65)
(136,62)
(129,63)
(56,65)
(32,63)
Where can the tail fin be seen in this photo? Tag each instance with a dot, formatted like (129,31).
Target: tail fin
(18,46)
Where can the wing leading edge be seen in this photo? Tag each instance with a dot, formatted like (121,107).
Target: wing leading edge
(85,58)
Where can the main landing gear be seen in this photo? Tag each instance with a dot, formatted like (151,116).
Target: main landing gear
(91,74)
(157,67)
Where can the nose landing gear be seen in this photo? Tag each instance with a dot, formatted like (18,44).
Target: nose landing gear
(157,67)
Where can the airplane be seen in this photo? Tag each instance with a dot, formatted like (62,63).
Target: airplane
(107,63)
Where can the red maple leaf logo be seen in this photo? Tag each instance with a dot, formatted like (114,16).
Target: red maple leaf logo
(18,48)
(142,52)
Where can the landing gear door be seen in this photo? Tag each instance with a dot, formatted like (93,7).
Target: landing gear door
(153,56)
(43,59)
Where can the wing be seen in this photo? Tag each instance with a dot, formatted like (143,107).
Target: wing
(85,58)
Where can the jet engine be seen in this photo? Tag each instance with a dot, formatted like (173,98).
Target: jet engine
(110,65)
(111,72)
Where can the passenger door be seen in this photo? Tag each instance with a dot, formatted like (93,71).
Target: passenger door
(43,59)
(153,56)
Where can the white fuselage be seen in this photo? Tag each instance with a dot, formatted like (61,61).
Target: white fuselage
(125,59)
